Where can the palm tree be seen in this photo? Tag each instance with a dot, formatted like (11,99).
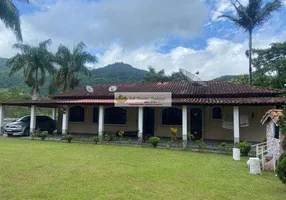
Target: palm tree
(251,16)
(72,65)
(35,61)
(9,14)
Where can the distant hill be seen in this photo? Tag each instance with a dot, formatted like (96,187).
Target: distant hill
(114,73)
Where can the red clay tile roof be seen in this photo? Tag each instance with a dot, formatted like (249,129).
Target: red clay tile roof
(192,101)
(274,114)
(178,89)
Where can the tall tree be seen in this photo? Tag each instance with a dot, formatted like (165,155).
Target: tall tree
(270,65)
(154,76)
(9,14)
(35,61)
(72,65)
(250,16)
(160,76)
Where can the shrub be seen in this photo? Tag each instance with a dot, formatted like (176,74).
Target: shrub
(121,134)
(264,139)
(190,136)
(44,135)
(281,168)
(244,147)
(95,139)
(174,134)
(224,147)
(69,138)
(201,145)
(154,141)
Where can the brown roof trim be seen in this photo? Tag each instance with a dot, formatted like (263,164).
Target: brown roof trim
(179,101)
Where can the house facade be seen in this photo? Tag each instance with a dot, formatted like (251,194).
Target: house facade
(216,110)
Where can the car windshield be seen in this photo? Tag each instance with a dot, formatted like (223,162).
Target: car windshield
(23,119)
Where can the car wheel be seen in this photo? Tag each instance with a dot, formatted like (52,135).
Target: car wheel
(26,132)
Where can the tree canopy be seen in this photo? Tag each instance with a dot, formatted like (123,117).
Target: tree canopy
(35,61)
(250,16)
(10,16)
(72,64)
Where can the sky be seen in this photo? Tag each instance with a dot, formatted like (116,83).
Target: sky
(164,34)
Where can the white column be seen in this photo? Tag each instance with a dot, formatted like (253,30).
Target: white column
(54,114)
(101,123)
(33,119)
(236,124)
(1,119)
(185,126)
(65,121)
(140,124)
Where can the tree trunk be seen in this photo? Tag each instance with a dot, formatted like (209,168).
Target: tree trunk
(35,94)
(250,58)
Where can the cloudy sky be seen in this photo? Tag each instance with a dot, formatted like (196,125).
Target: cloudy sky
(166,34)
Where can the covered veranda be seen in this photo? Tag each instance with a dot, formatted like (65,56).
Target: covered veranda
(62,106)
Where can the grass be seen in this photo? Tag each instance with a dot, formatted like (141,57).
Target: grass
(54,170)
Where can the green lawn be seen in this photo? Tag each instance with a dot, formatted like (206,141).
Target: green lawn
(52,170)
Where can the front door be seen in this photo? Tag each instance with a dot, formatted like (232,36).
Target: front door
(196,122)
(148,122)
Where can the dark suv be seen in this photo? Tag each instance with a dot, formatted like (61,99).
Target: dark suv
(22,125)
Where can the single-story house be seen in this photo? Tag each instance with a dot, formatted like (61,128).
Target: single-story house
(215,110)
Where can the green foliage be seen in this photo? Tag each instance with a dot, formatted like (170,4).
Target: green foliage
(281,168)
(282,124)
(225,148)
(160,76)
(283,144)
(154,141)
(244,147)
(111,74)
(72,64)
(43,135)
(68,137)
(34,62)
(270,66)
(201,145)
(264,139)
(249,17)
(191,136)
(15,111)
(121,134)
(174,134)
(95,139)
(10,16)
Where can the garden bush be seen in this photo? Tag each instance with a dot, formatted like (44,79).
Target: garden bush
(201,145)
(225,148)
(68,137)
(95,139)
(264,139)
(281,168)
(154,141)
(44,135)
(244,147)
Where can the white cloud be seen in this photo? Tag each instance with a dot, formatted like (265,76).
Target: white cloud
(221,57)
(99,23)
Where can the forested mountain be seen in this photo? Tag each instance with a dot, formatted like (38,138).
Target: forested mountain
(114,73)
